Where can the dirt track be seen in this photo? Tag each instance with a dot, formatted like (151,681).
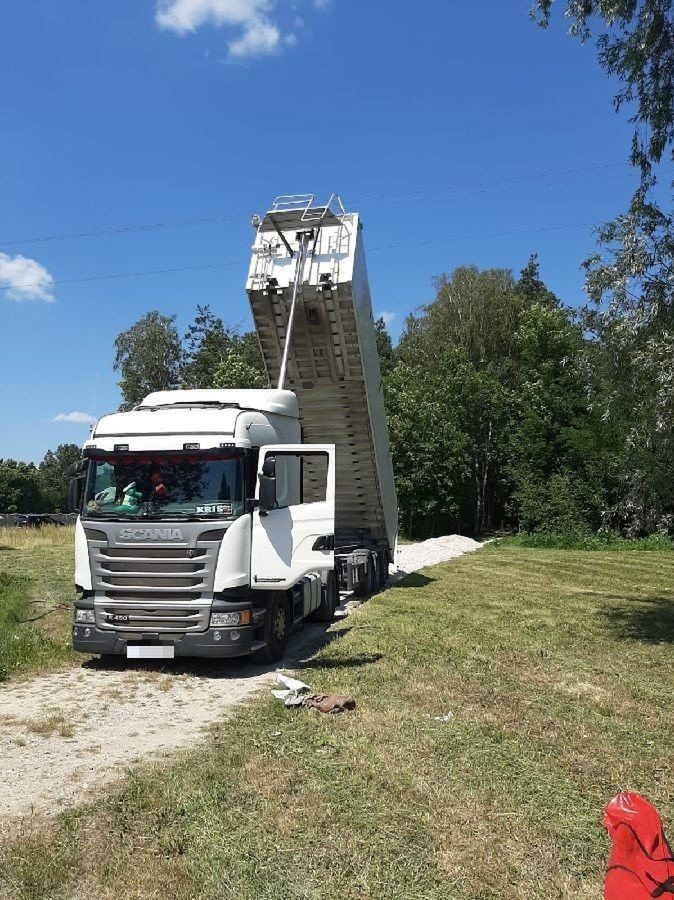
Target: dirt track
(64,735)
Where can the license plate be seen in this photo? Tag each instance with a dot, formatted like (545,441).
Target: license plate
(150,651)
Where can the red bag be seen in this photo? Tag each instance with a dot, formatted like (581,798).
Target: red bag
(641,863)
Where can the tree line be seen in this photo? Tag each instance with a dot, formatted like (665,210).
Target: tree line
(29,488)
(510,411)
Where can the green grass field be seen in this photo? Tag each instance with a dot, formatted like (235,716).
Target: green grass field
(557,670)
(36,575)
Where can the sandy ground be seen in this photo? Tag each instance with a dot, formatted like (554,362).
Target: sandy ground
(65,735)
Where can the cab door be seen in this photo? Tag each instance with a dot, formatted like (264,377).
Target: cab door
(295,535)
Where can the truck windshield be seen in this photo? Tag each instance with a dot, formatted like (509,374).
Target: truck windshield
(161,486)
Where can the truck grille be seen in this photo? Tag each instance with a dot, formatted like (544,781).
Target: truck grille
(187,572)
(143,588)
(133,617)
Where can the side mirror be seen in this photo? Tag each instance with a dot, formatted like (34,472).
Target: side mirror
(75,494)
(268,485)
(77,468)
(77,471)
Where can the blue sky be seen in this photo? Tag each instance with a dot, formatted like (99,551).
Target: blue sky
(459,130)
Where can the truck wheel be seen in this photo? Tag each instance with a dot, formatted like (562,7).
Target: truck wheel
(329,599)
(382,570)
(372,576)
(276,631)
(368,585)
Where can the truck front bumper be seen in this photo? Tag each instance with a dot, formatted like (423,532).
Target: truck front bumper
(89,639)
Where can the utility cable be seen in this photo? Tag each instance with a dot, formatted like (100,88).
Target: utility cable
(479,187)
(242,262)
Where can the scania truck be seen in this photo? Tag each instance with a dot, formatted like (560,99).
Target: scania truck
(213,522)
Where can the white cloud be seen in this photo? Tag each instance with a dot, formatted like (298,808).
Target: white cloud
(387,316)
(25,279)
(75,418)
(259,34)
(260,38)
(182,16)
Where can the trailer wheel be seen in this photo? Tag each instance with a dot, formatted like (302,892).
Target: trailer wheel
(382,570)
(368,585)
(329,601)
(276,632)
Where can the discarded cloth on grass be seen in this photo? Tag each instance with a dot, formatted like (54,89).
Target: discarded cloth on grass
(296,693)
(328,703)
(641,863)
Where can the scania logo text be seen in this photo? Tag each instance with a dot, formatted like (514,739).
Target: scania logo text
(150,534)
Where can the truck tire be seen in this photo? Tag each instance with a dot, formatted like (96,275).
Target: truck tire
(329,601)
(382,570)
(276,632)
(368,585)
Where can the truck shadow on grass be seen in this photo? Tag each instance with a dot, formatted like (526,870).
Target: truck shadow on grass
(303,645)
(646,619)
(413,579)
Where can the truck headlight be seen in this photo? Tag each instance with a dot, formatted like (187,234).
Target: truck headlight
(223,619)
(85,616)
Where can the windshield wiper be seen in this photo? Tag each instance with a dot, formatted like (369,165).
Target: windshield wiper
(106,518)
(112,517)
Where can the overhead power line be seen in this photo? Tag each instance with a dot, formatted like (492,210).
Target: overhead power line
(244,262)
(146,272)
(122,229)
(498,182)
(491,234)
(476,188)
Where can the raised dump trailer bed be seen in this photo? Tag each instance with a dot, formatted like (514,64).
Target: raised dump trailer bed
(308,278)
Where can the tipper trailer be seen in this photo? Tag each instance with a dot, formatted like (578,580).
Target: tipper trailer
(212,522)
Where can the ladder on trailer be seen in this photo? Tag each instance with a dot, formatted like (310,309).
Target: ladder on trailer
(296,212)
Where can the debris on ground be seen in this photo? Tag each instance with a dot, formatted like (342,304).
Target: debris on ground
(293,690)
(296,693)
(328,703)
(446,718)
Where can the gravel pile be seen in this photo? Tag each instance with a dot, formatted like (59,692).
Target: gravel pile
(411,557)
